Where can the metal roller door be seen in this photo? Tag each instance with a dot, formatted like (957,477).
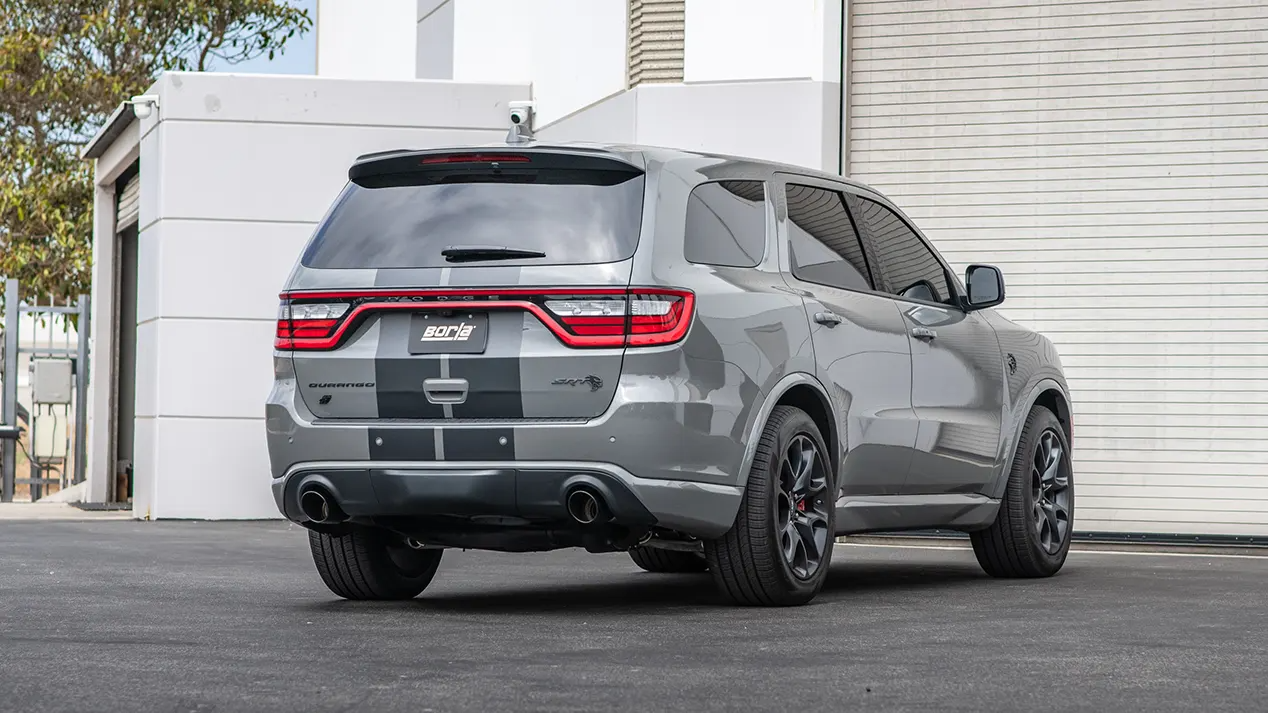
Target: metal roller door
(129,203)
(1112,158)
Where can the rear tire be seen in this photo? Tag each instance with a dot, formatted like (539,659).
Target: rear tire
(661,561)
(778,551)
(372,564)
(1031,534)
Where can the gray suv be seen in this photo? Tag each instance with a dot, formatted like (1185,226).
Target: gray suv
(711,363)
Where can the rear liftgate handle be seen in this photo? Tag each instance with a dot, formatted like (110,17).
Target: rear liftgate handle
(445,391)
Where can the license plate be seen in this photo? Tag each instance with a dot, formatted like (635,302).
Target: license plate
(461,333)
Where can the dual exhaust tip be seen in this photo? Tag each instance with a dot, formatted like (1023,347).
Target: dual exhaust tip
(585,506)
(319,506)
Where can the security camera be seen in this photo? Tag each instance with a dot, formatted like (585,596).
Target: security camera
(522,113)
(143,105)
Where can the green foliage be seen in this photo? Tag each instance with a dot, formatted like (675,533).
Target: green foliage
(64,66)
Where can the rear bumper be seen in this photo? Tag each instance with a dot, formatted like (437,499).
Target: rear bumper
(488,490)
(675,449)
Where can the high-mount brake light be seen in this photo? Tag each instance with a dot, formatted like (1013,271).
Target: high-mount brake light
(474,158)
(578,317)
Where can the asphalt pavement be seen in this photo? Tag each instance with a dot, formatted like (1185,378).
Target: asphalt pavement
(185,616)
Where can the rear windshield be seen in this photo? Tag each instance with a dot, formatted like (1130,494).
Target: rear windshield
(406,220)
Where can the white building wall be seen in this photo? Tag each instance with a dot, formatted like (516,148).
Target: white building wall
(793,122)
(236,171)
(366,39)
(1112,159)
(572,51)
(747,40)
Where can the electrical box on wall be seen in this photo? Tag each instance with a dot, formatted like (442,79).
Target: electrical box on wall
(51,381)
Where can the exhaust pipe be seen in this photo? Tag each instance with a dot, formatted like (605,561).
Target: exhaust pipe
(318,506)
(585,507)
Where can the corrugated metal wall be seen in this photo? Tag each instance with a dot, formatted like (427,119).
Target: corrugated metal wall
(657,31)
(1112,158)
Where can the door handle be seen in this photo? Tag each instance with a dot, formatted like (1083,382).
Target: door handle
(445,391)
(831,319)
(923,333)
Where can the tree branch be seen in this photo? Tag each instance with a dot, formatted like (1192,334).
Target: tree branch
(215,38)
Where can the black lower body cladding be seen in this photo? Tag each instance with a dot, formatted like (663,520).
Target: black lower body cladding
(534,495)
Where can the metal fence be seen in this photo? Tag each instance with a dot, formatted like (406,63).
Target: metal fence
(50,428)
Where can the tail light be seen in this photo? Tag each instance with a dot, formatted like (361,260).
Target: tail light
(299,325)
(636,319)
(603,318)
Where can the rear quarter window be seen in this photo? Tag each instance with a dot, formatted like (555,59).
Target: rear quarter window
(406,220)
(726,224)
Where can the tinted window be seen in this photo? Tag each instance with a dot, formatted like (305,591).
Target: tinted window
(726,224)
(406,220)
(907,264)
(825,247)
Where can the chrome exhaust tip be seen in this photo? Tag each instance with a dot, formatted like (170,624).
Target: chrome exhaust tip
(584,506)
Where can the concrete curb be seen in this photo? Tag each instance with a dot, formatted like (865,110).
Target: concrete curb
(17,512)
(962,543)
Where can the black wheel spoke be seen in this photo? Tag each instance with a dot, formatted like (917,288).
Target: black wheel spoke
(788,542)
(1050,491)
(787,475)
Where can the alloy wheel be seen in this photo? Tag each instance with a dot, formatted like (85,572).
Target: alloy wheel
(801,512)
(1050,492)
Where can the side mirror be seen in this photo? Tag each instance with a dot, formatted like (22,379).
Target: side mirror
(986,286)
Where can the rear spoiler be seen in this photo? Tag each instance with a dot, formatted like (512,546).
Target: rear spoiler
(484,159)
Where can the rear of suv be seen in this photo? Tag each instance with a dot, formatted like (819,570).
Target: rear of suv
(696,359)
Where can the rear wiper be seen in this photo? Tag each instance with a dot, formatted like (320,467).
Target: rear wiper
(475,253)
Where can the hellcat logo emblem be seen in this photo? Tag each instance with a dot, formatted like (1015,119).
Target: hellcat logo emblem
(594,382)
(447,332)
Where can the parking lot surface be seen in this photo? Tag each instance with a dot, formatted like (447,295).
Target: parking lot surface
(183,616)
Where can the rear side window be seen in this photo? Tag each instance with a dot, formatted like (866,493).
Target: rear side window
(726,224)
(825,247)
(407,219)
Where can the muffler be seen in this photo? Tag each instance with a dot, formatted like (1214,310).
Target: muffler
(319,506)
(585,507)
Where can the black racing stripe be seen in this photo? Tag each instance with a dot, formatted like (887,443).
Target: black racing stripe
(399,387)
(493,387)
(479,444)
(413,444)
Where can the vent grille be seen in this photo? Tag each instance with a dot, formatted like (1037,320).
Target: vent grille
(657,36)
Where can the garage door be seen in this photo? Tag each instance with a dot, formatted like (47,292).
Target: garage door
(1112,158)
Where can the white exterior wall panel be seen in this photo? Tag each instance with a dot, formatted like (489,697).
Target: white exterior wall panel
(249,164)
(1112,158)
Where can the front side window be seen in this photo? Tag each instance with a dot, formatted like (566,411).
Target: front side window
(909,268)
(825,247)
(726,224)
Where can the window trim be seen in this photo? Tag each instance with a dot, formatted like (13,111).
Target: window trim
(787,180)
(783,178)
(766,203)
(953,284)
